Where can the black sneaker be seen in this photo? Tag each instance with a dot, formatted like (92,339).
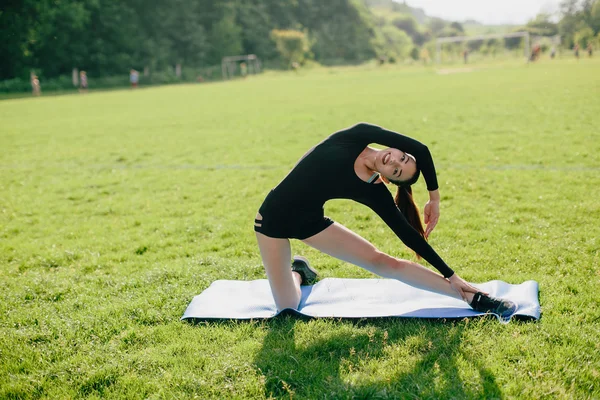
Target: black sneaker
(503,308)
(302,267)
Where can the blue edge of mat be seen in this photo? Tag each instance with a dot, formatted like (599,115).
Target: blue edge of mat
(352,299)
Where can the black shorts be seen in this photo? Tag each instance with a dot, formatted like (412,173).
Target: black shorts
(283,223)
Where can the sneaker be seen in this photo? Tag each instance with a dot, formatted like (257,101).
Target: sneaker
(503,308)
(302,267)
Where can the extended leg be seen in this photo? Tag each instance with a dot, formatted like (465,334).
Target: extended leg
(285,284)
(340,242)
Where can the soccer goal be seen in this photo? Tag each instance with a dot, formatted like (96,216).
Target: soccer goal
(458,39)
(546,43)
(240,65)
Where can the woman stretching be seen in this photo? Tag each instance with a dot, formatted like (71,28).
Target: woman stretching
(343,166)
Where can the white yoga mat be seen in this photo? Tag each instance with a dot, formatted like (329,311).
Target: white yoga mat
(352,298)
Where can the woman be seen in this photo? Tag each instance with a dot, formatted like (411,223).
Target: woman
(343,166)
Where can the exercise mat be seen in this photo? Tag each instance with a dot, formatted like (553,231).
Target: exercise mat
(352,298)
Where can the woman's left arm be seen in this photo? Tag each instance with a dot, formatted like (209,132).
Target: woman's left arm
(421,152)
(431,212)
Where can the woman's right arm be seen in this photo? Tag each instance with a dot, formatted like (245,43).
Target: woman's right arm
(391,215)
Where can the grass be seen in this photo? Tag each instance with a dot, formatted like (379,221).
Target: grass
(116,208)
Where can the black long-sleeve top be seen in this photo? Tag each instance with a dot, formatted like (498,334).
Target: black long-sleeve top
(327,172)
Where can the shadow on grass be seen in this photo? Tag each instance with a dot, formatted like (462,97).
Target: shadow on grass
(357,361)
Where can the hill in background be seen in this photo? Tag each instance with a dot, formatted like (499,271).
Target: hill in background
(392,9)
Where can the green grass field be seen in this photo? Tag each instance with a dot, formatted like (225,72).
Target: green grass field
(117,208)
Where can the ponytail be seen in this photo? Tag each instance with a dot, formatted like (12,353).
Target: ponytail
(406,204)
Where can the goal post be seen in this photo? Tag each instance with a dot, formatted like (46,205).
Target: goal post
(455,39)
(229,65)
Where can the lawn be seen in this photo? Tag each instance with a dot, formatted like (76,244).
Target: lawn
(116,208)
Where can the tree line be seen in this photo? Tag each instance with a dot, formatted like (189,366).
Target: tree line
(109,37)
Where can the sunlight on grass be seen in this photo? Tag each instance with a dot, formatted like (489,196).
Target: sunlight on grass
(116,208)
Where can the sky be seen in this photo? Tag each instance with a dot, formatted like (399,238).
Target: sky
(495,12)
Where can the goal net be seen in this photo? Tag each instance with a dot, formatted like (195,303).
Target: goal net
(240,66)
(463,48)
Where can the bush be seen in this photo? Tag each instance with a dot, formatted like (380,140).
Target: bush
(414,53)
(159,78)
(55,84)
(15,85)
(293,46)
(62,83)
(584,36)
(107,82)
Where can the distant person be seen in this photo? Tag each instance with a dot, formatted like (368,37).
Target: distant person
(134,77)
(295,66)
(344,166)
(576,51)
(465,56)
(244,69)
(589,49)
(535,52)
(36,88)
(553,52)
(83,82)
(425,56)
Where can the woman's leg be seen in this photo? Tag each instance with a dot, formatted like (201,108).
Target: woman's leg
(340,242)
(285,284)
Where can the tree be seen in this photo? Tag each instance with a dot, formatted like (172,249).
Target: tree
(541,25)
(187,38)
(436,25)
(341,30)
(407,24)
(457,27)
(108,37)
(225,39)
(256,24)
(595,17)
(584,36)
(292,45)
(414,53)
(586,13)
(44,35)
(111,38)
(568,25)
(452,30)
(397,43)
(16,22)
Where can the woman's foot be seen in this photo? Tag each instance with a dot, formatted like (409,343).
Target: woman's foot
(303,268)
(503,308)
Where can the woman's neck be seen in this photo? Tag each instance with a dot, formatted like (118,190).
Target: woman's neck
(368,158)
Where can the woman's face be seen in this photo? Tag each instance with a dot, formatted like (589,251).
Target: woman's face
(395,165)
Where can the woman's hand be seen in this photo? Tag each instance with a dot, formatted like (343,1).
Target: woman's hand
(431,214)
(462,287)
